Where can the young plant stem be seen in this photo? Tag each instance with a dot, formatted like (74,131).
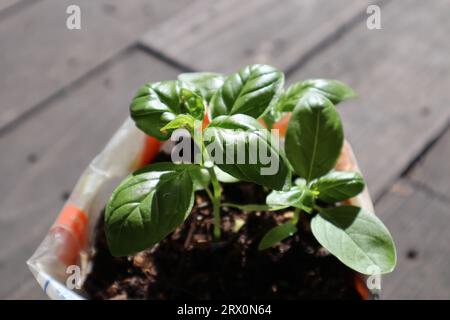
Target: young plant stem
(317,208)
(215,195)
(296,216)
(215,201)
(247,207)
(209,193)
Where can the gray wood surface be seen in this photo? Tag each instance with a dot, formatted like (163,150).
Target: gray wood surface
(65,92)
(40,56)
(419,224)
(28,289)
(228,34)
(433,169)
(402,76)
(5,4)
(43,160)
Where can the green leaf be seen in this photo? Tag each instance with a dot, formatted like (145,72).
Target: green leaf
(314,137)
(180,121)
(338,186)
(356,237)
(154,106)
(271,117)
(224,177)
(147,206)
(336,91)
(200,177)
(244,149)
(251,91)
(289,99)
(277,234)
(251,207)
(157,104)
(203,83)
(297,196)
(193,103)
(333,90)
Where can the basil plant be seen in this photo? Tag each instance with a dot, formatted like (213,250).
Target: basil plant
(241,108)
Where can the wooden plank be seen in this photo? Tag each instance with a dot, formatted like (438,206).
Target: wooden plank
(5,4)
(419,224)
(29,290)
(40,55)
(401,74)
(42,160)
(433,169)
(228,34)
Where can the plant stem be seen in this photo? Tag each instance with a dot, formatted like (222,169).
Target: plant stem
(296,216)
(215,196)
(215,202)
(247,207)
(317,208)
(208,192)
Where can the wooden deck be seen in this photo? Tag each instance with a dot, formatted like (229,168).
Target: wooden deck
(63,93)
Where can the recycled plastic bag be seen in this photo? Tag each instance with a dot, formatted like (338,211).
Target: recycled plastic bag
(62,260)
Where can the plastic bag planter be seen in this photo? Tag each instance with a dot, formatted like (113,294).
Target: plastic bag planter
(61,261)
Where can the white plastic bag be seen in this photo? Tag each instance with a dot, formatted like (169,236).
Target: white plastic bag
(63,255)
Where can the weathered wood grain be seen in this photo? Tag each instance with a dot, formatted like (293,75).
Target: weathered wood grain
(40,56)
(419,225)
(42,161)
(228,34)
(402,76)
(5,4)
(28,290)
(433,169)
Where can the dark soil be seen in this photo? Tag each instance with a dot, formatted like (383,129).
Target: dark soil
(188,264)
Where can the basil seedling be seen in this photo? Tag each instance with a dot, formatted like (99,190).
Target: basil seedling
(153,201)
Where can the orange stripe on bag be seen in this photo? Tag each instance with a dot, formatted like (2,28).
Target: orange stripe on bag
(150,150)
(205,121)
(282,124)
(361,287)
(75,220)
